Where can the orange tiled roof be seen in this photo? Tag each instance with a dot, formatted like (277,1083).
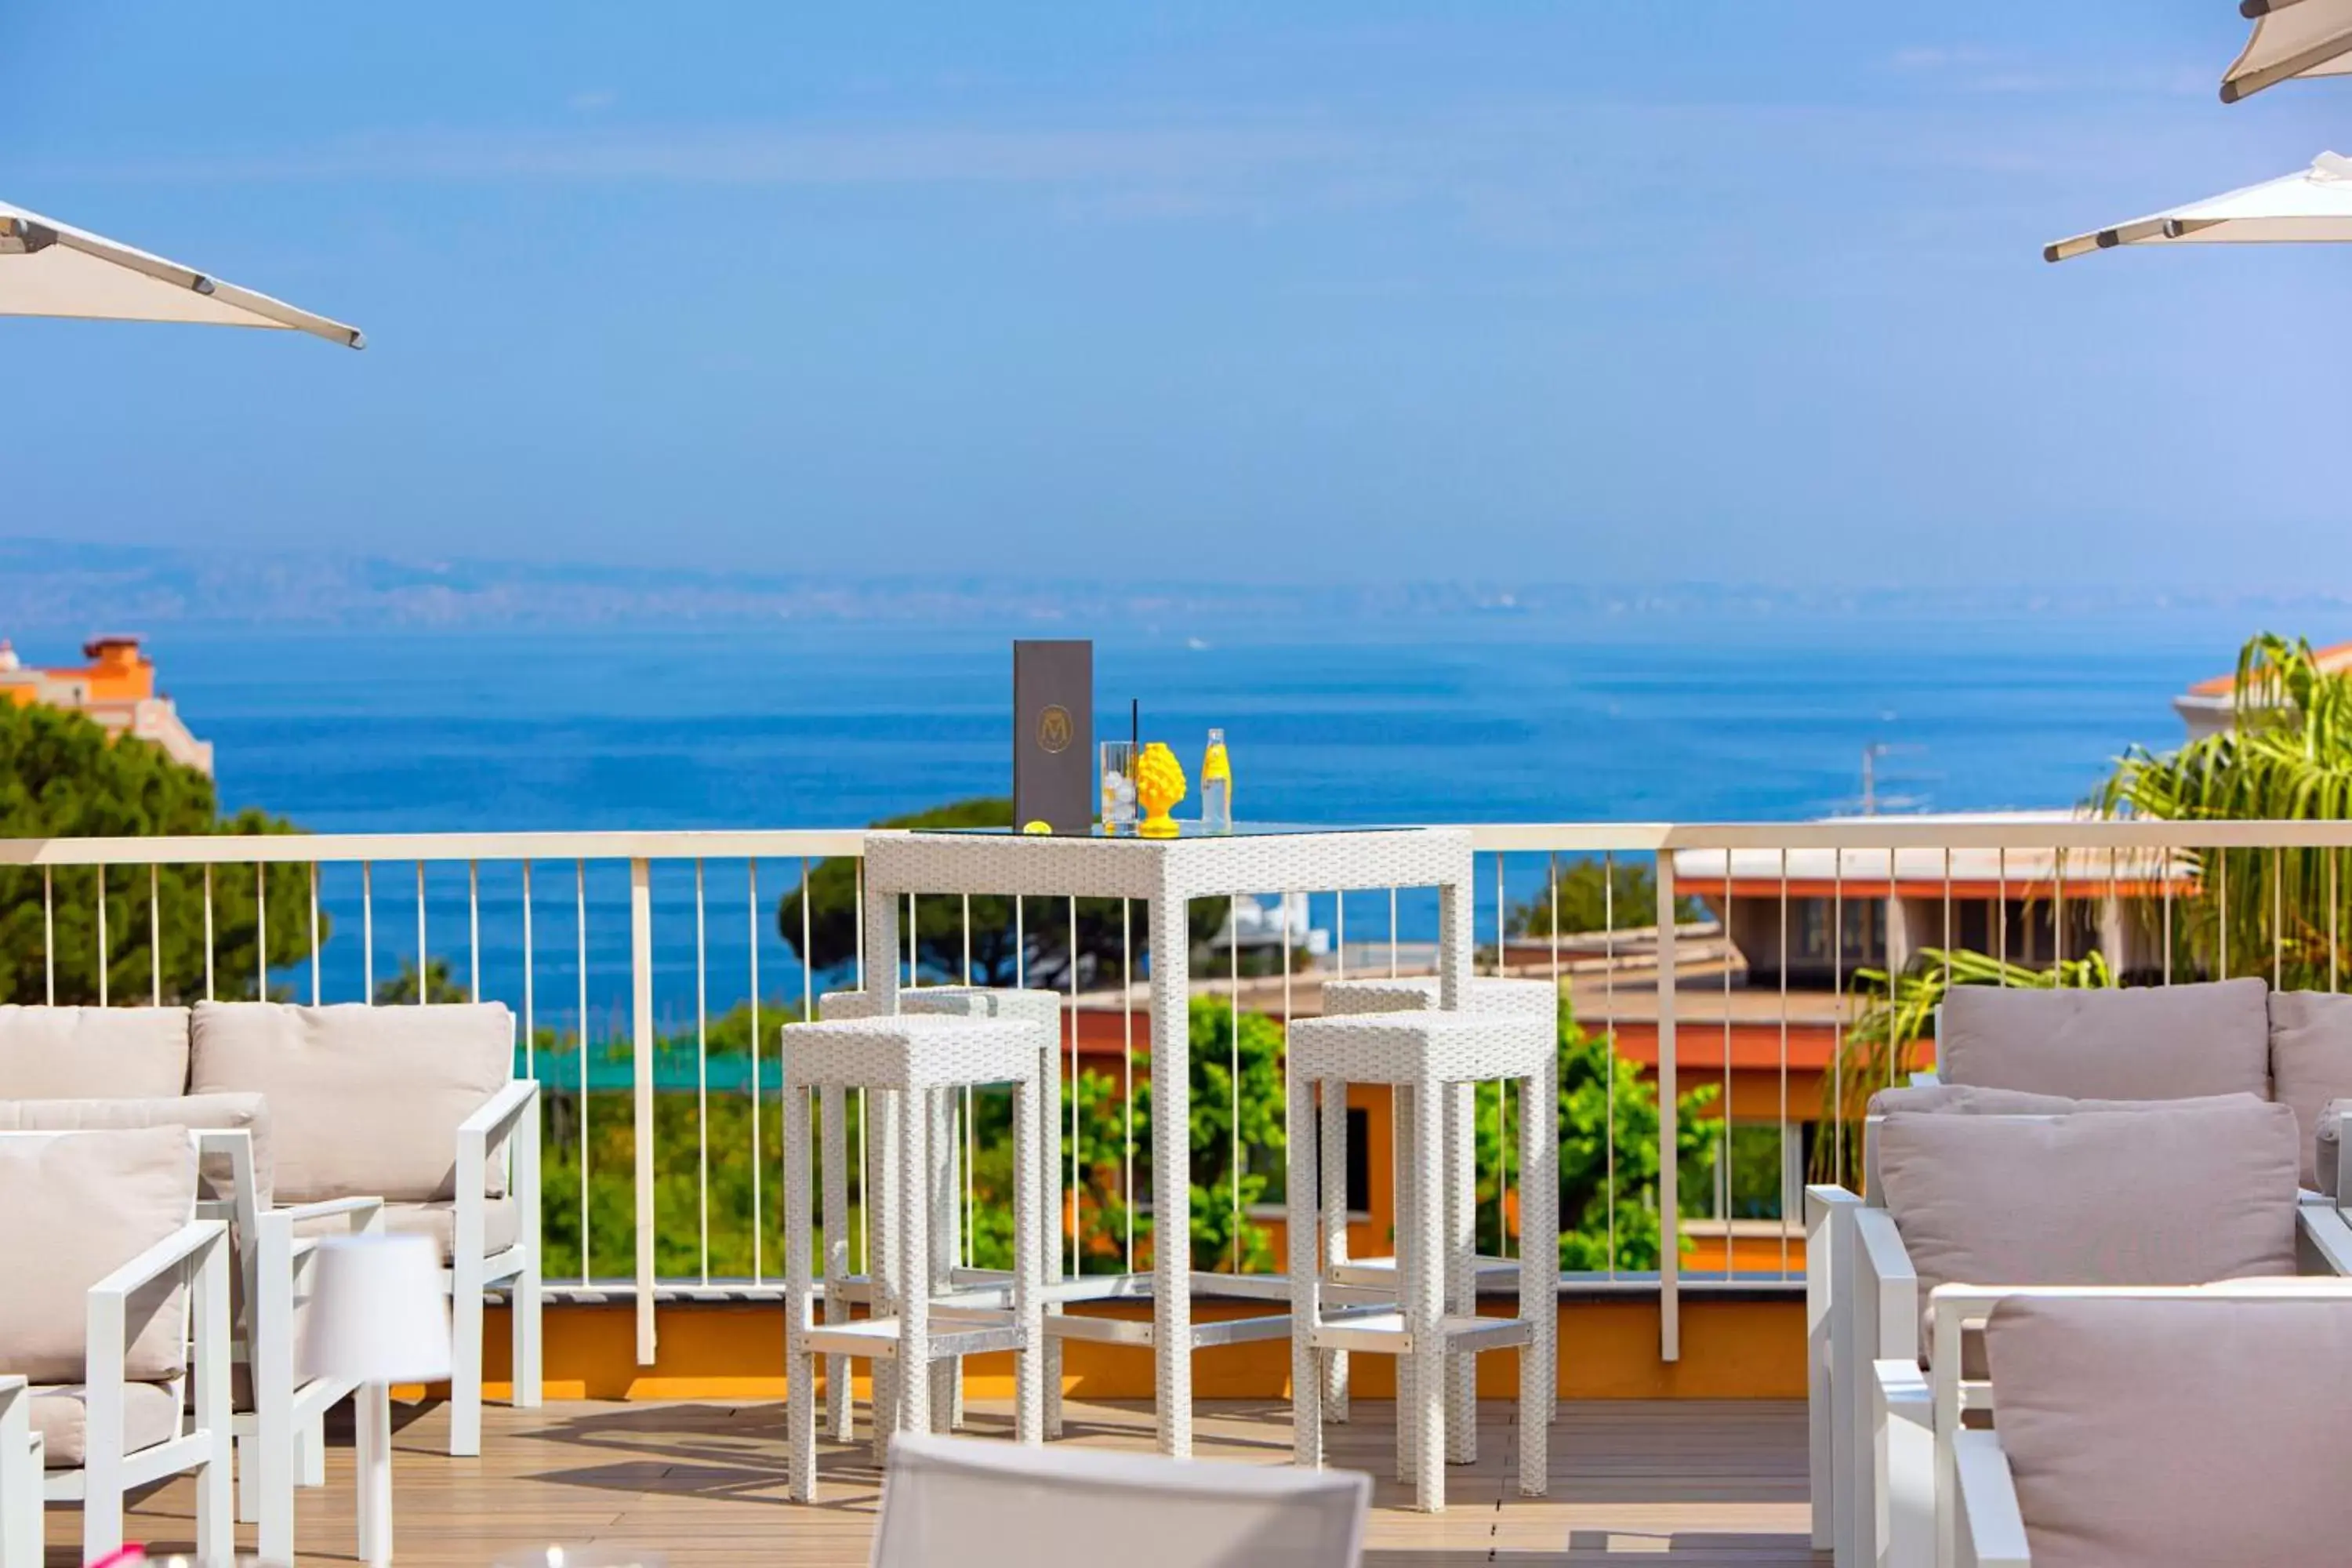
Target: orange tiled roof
(2336,660)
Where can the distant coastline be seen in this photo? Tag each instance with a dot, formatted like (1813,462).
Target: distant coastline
(56,585)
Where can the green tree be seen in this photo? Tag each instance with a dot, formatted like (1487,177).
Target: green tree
(440,985)
(1593,895)
(942,933)
(63,776)
(1608,1155)
(2286,756)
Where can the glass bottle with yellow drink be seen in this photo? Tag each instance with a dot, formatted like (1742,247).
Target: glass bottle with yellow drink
(1216,788)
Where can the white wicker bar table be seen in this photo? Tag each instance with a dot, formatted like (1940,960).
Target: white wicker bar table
(1164,874)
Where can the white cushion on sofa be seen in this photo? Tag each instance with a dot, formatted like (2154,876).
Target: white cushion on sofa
(246,1114)
(88,1053)
(73,1209)
(363,1100)
(2162,1042)
(2311,1062)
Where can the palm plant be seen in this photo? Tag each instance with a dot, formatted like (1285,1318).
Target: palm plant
(2286,756)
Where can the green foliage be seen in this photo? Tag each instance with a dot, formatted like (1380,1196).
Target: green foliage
(2287,756)
(439,986)
(1591,895)
(1608,1155)
(1880,1048)
(735,1244)
(62,775)
(941,932)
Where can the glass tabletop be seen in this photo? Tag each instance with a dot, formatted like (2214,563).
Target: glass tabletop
(1185,829)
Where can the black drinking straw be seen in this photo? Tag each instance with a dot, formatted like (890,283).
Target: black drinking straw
(1135,722)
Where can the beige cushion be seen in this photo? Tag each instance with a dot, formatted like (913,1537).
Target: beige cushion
(1966,1099)
(2168,1042)
(2311,1062)
(2171,1196)
(61,1419)
(363,1100)
(2328,1148)
(2167,1433)
(247,1113)
(88,1053)
(501,1225)
(73,1209)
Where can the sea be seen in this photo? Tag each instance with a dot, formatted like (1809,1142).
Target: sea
(1730,713)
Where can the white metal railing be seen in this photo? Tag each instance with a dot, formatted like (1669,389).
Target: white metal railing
(612,948)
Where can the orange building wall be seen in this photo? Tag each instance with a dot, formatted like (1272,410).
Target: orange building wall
(1731,1349)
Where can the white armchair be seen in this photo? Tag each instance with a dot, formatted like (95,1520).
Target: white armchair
(276,1415)
(976,1504)
(2231,1455)
(2166,1196)
(417,1104)
(110,1395)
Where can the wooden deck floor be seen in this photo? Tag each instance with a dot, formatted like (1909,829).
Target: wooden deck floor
(1688,1483)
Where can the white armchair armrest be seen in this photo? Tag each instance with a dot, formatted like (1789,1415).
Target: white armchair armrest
(191,1242)
(1829,1428)
(1886,1295)
(1992,1531)
(2323,1238)
(1903,1452)
(20,1478)
(494,1119)
(199,1252)
(366,1213)
(1881,1323)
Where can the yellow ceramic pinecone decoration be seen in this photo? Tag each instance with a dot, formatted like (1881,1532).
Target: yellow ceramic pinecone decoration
(1159,784)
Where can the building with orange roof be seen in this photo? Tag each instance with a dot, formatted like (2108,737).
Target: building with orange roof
(116,687)
(2207,707)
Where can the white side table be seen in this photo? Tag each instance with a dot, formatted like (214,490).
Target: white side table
(1164,874)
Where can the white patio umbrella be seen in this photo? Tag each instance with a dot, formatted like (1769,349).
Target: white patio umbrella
(2291,39)
(52,268)
(2314,206)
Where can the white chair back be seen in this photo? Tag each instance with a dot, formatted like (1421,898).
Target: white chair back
(980,1504)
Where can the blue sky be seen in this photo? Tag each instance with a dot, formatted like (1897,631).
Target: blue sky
(1728,289)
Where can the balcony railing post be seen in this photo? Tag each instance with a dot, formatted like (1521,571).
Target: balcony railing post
(1670,1222)
(641,976)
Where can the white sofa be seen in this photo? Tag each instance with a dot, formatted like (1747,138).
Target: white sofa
(117,1315)
(415,1105)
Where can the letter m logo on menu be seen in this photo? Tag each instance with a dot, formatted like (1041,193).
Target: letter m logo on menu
(1052,735)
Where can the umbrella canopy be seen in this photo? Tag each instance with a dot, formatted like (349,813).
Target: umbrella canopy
(51,269)
(2291,39)
(2313,206)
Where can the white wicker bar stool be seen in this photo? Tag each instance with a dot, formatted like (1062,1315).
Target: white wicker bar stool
(1424,1057)
(843,1288)
(1465,1271)
(905,1061)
